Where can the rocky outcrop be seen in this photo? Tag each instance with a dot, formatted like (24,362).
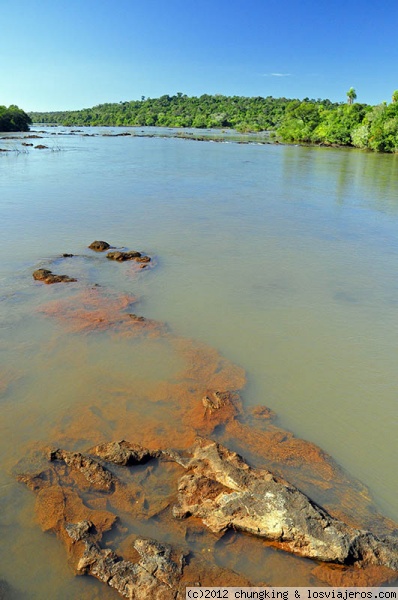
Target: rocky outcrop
(221,489)
(48,277)
(151,569)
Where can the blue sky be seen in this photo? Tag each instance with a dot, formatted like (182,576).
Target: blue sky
(58,54)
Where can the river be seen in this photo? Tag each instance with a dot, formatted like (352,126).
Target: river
(283,259)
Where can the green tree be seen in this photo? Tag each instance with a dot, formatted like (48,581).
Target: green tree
(351,95)
(14,119)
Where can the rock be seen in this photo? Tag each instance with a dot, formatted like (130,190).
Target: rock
(66,255)
(135,317)
(156,574)
(130,255)
(99,246)
(124,453)
(48,277)
(94,473)
(41,147)
(78,531)
(116,255)
(214,400)
(221,489)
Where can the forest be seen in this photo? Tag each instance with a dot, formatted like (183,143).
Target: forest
(307,121)
(14,119)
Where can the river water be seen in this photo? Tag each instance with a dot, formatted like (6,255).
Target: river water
(282,258)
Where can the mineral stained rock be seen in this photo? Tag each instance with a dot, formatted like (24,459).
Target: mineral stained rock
(48,277)
(221,489)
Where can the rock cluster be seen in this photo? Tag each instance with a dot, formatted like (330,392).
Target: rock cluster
(48,276)
(216,486)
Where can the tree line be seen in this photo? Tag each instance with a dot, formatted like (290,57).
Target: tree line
(14,119)
(207,111)
(309,120)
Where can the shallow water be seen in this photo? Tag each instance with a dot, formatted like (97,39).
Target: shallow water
(282,258)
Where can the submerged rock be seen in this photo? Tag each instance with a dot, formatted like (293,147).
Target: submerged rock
(99,246)
(49,277)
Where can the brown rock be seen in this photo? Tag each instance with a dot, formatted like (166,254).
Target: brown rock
(124,453)
(99,246)
(48,277)
(116,255)
(130,255)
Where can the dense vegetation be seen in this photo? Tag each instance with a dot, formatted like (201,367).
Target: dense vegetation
(310,121)
(14,119)
(243,114)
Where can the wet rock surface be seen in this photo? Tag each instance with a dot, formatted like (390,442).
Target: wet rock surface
(120,256)
(124,453)
(49,277)
(221,489)
(99,246)
(155,575)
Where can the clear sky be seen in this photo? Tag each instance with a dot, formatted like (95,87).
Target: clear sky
(70,54)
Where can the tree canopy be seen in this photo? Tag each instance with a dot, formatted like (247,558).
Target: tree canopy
(14,119)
